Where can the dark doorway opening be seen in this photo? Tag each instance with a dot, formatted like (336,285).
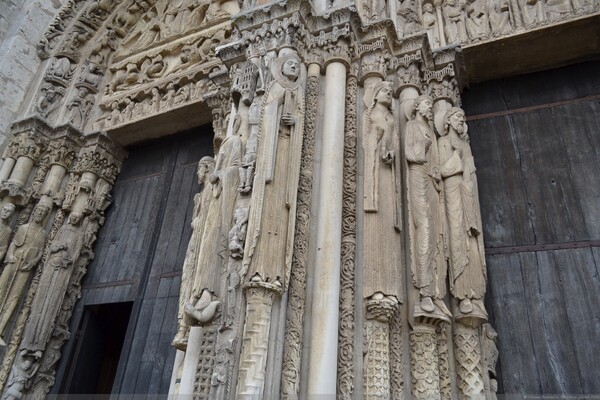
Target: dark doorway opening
(100,340)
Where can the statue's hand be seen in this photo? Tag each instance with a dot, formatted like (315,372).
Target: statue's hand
(288,119)
(388,156)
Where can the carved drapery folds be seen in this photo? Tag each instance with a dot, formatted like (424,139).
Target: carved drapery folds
(410,225)
(469,22)
(71,179)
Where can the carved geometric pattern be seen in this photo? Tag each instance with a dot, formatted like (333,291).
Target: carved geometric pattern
(443,362)
(424,365)
(396,370)
(377,361)
(467,351)
(206,363)
(255,343)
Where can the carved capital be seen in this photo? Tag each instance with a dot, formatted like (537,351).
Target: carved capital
(100,156)
(442,84)
(381,308)
(374,64)
(258,286)
(30,139)
(337,52)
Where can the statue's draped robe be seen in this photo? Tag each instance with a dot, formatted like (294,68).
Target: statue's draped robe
(54,282)
(467,262)
(211,268)
(427,243)
(382,250)
(273,214)
(27,245)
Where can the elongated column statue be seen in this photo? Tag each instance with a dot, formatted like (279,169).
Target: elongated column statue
(424,192)
(24,253)
(268,252)
(467,263)
(467,260)
(62,255)
(381,277)
(202,202)
(5,230)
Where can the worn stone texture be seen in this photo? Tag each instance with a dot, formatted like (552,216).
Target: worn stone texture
(401,311)
(22,25)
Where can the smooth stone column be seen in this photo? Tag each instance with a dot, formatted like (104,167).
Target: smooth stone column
(325,307)
(7,167)
(54,179)
(190,363)
(21,170)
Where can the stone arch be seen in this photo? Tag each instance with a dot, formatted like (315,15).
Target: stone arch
(113,65)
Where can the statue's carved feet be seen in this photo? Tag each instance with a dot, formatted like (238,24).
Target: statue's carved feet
(427,304)
(180,340)
(465,306)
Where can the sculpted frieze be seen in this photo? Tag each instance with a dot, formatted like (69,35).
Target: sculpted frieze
(170,20)
(107,44)
(409,21)
(58,27)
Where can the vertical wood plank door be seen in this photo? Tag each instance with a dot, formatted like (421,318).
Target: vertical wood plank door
(138,258)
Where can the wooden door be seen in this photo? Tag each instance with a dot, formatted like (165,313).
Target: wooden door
(139,255)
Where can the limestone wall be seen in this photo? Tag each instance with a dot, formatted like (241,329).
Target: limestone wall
(22,25)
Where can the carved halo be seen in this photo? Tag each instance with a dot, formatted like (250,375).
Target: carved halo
(283,80)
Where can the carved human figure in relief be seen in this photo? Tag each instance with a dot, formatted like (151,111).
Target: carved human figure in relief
(533,12)
(5,230)
(454,21)
(424,192)
(489,336)
(408,17)
(49,101)
(558,9)
(209,281)
(500,18)
(467,261)
(430,23)
(24,252)
(45,307)
(478,23)
(249,160)
(381,187)
(19,379)
(273,213)
(79,107)
(237,234)
(202,201)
